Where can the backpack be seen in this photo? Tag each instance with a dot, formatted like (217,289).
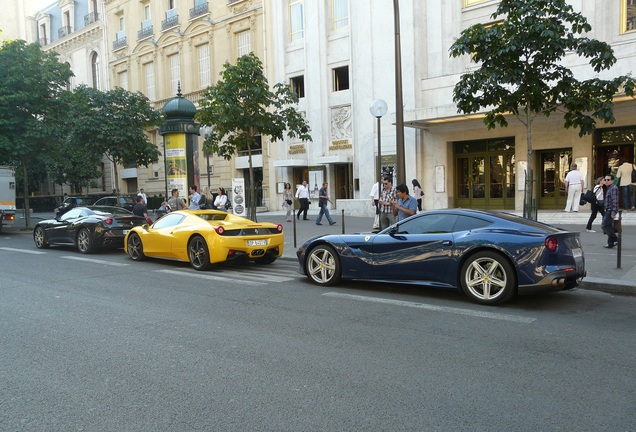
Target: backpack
(633,174)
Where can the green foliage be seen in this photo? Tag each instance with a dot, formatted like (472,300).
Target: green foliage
(521,70)
(241,106)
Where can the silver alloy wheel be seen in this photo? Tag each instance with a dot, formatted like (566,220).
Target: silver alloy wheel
(38,237)
(135,248)
(323,265)
(198,253)
(488,278)
(84,241)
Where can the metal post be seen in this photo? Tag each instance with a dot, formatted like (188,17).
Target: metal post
(618,228)
(399,105)
(343,221)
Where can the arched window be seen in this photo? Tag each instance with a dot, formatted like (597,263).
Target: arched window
(95,71)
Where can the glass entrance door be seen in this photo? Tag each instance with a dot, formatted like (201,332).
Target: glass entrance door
(554,165)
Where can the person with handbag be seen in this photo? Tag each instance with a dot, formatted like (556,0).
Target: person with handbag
(624,174)
(596,202)
(611,211)
(288,201)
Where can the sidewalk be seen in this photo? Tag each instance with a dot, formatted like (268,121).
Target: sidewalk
(600,263)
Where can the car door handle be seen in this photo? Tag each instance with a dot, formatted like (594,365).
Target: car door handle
(447,243)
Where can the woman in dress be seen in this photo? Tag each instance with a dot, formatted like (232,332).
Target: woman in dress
(288,201)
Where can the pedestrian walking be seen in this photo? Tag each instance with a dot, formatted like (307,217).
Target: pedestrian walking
(573,187)
(288,201)
(387,197)
(611,211)
(302,195)
(624,174)
(597,203)
(418,193)
(323,199)
(405,205)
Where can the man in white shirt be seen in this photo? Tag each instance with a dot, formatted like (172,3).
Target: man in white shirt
(573,187)
(302,194)
(144,196)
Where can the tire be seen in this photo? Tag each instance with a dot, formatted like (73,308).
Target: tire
(322,266)
(39,238)
(488,278)
(85,241)
(199,254)
(134,247)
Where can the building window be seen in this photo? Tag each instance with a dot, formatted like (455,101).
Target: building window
(244,43)
(341,78)
(96,71)
(122,80)
(203,53)
(149,72)
(296,20)
(175,73)
(472,2)
(628,16)
(297,85)
(340,13)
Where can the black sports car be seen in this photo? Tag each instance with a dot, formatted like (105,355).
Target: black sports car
(491,256)
(87,228)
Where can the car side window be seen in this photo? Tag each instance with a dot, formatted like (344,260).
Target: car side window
(467,223)
(428,224)
(168,221)
(72,214)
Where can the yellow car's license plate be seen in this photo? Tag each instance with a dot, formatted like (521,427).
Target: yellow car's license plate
(257,242)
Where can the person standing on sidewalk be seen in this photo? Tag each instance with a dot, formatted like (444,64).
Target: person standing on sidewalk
(375,197)
(597,204)
(611,210)
(387,197)
(418,193)
(175,201)
(624,173)
(302,195)
(573,187)
(323,199)
(406,205)
(288,201)
(194,198)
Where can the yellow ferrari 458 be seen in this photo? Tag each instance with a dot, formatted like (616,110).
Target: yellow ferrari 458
(205,237)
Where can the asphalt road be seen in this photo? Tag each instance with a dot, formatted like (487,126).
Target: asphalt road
(102,343)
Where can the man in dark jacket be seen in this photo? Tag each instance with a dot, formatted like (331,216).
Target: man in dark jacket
(140,208)
(611,210)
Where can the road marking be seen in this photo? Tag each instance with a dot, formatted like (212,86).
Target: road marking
(23,251)
(207,276)
(95,261)
(478,314)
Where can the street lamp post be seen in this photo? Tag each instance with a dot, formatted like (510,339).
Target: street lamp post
(378,109)
(399,107)
(205,131)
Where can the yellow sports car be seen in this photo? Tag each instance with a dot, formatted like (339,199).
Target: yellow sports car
(205,237)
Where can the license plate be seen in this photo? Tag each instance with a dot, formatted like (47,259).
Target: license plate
(577,252)
(257,242)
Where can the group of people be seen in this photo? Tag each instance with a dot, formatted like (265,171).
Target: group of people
(394,204)
(302,196)
(196,201)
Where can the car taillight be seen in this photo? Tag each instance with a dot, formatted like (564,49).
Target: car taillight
(279,228)
(108,221)
(219,230)
(149,221)
(551,244)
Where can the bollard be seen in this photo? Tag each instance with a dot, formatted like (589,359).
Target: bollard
(294,221)
(343,221)
(618,229)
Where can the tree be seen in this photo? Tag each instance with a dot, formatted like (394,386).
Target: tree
(113,124)
(30,83)
(241,107)
(521,72)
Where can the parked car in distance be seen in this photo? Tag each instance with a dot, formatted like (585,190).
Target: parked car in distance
(123,201)
(71,202)
(490,256)
(205,237)
(87,228)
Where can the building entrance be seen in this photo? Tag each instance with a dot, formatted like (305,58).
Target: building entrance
(613,145)
(553,166)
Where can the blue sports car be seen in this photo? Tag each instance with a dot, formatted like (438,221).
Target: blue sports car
(491,256)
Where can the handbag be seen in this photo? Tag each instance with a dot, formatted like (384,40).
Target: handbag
(289,202)
(589,196)
(633,174)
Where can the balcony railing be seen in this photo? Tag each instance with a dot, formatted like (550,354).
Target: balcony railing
(64,31)
(170,22)
(198,10)
(144,33)
(91,18)
(119,43)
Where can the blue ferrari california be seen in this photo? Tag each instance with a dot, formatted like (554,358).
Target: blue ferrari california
(491,256)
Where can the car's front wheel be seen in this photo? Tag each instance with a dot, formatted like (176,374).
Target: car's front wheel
(135,247)
(488,278)
(39,238)
(322,265)
(199,254)
(85,241)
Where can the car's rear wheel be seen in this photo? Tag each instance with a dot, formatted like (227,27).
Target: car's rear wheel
(135,247)
(85,241)
(488,278)
(322,265)
(199,254)
(39,238)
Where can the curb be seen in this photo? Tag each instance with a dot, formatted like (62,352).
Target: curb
(611,286)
